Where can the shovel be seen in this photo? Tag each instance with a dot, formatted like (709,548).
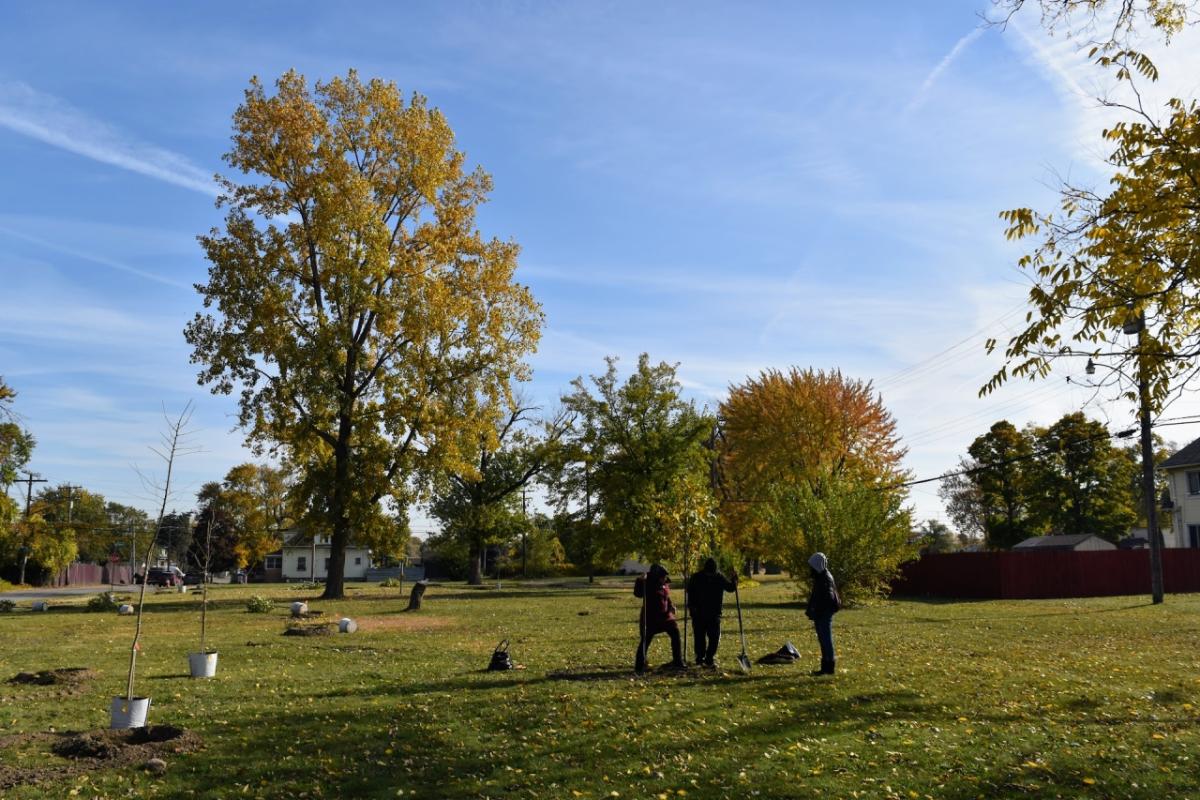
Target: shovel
(743,660)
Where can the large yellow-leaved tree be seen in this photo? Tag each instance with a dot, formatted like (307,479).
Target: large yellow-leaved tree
(353,300)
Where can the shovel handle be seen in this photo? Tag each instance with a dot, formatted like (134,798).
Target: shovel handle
(741,631)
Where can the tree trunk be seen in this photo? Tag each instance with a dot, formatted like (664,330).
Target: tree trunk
(475,571)
(414,599)
(335,576)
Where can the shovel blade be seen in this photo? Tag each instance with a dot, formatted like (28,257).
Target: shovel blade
(744,663)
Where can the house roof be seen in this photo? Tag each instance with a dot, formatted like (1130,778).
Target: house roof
(1187,457)
(295,537)
(1056,542)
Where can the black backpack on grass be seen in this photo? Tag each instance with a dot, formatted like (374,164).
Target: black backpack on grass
(501,660)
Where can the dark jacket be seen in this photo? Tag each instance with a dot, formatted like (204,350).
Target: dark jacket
(658,611)
(824,600)
(706,594)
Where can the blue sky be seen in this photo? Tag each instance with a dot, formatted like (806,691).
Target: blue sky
(728,186)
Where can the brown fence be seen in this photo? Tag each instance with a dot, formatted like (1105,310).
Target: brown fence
(91,575)
(1019,576)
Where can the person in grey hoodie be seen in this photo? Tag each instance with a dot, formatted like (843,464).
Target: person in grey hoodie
(823,603)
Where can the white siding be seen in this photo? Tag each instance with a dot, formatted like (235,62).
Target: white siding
(298,563)
(1187,508)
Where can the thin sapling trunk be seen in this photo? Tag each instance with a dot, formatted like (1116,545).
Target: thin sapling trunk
(173,445)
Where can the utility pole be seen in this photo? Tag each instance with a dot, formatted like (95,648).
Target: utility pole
(71,501)
(29,482)
(1152,532)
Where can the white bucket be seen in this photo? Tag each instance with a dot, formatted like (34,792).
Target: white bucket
(203,665)
(41,605)
(299,608)
(347,625)
(129,714)
(125,610)
(183,589)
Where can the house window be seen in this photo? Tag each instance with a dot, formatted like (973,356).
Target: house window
(1193,482)
(357,560)
(1193,535)
(273,562)
(301,563)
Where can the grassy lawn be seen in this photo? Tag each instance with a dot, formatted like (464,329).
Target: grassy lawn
(1069,698)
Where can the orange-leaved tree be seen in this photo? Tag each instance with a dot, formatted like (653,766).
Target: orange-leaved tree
(810,460)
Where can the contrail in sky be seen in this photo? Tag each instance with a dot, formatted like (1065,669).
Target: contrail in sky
(48,119)
(930,79)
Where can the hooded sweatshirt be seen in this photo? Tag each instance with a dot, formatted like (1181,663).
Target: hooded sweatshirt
(823,600)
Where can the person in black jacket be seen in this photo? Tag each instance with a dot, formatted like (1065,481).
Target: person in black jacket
(706,595)
(823,603)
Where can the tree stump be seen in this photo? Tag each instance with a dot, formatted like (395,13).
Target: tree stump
(414,599)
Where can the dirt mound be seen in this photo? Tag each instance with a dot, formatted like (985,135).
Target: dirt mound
(128,746)
(320,629)
(407,622)
(66,676)
(97,749)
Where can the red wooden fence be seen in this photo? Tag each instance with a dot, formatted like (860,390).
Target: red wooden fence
(1017,576)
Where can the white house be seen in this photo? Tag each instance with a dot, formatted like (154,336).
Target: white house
(1183,481)
(306,558)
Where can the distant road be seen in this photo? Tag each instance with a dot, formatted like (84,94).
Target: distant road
(50,593)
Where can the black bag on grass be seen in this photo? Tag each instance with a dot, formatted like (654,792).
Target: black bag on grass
(501,660)
(788,654)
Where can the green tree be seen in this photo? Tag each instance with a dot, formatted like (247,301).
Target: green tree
(645,467)
(537,552)
(1080,482)
(963,500)
(864,532)
(131,530)
(482,506)
(808,448)
(217,536)
(355,300)
(936,537)
(1003,456)
(16,448)
(84,514)
(175,537)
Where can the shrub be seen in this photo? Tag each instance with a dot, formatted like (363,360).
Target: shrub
(7,606)
(392,583)
(257,604)
(102,602)
(861,530)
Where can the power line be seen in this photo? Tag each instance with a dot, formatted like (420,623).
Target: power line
(1122,434)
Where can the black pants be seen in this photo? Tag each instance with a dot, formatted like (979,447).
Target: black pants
(707,634)
(671,629)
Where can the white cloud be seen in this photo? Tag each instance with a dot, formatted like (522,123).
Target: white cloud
(49,119)
(1081,84)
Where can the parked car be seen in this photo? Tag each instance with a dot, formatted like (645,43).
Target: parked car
(193,579)
(159,577)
